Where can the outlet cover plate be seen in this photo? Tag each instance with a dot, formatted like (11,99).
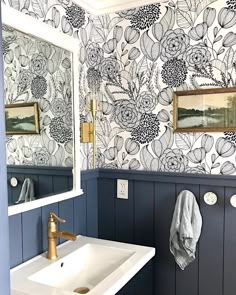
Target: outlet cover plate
(122,188)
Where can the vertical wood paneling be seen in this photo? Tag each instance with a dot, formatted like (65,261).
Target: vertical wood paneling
(106,208)
(165,265)
(92,208)
(229,244)
(144,280)
(144,213)
(32,233)
(124,216)
(211,243)
(60,184)
(187,280)
(80,211)
(15,228)
(46,185)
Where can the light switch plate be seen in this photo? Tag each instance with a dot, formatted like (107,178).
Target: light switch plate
(122,188)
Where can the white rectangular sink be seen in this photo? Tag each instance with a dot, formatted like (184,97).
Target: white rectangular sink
(98,266)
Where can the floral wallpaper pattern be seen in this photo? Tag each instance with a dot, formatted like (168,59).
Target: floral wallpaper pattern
(133,61)
(38,71)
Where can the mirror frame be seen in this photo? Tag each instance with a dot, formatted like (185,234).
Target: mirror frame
(28,25)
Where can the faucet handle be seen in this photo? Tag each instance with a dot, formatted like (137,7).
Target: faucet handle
(52,216)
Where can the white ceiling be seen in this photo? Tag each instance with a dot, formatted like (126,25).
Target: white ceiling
(98,7)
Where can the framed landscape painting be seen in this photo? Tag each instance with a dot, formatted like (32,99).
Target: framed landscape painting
(205,110)
(22,118)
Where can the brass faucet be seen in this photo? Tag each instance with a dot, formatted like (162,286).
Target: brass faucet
(53,234)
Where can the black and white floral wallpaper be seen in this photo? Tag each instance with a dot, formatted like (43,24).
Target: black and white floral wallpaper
(38,71)
(132,61)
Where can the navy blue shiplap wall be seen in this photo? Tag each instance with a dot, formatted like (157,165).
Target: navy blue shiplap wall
(47,180)
(144,219)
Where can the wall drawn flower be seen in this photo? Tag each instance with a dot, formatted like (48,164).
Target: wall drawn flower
(147,130)
(38,87)
(197,56)
(231,136)
(174,44)
(126,114)
(24,79)
(75,15)
(146,102)
(173,161)
(41,157)
(5,47)
(58,131)
(94,79)
(174,72)
(94,55)
(58,107)
(38,64)
(146,16)
(109,68)
(231,4)
(128,14)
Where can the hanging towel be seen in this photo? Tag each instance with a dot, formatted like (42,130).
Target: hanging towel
(185,229)
(27,191)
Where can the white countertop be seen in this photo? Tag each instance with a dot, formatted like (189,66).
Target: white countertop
(22,285)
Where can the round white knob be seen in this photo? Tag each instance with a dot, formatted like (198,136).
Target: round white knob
(210,198)
(13,181)
(233,201)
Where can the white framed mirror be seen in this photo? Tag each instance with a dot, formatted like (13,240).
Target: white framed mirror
(50,41)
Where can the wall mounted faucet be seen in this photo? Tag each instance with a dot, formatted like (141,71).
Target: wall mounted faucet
(53,234)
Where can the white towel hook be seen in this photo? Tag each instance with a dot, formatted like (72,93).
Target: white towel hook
(233,201)
(13,181)
(210,198)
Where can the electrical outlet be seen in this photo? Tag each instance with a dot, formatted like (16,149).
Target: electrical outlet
(122,189)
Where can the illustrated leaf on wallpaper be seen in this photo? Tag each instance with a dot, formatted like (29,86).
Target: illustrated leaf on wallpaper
(101,21)
(60,155)
(146,158)
(38,7)
(133,69)
(113,22)
(164,142)
(51,146)
(56,16)
(25,4)
(21,142)
(184,19)
(98,35)
(143,65)
(168,20)
(183,141)
(15,4)
(149,48)
(83,36)
(202,5)
(55,61)
(34,141)
(229,58)
(218,64)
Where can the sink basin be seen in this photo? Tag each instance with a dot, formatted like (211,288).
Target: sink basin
(86,266)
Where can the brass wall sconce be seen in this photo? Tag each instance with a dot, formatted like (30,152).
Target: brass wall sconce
(88,130)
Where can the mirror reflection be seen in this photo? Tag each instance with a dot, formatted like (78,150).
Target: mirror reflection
(38,72)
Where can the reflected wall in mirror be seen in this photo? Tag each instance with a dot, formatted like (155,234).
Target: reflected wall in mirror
(37,70)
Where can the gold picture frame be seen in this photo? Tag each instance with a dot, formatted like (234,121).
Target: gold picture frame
(205,110)
(22,118)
